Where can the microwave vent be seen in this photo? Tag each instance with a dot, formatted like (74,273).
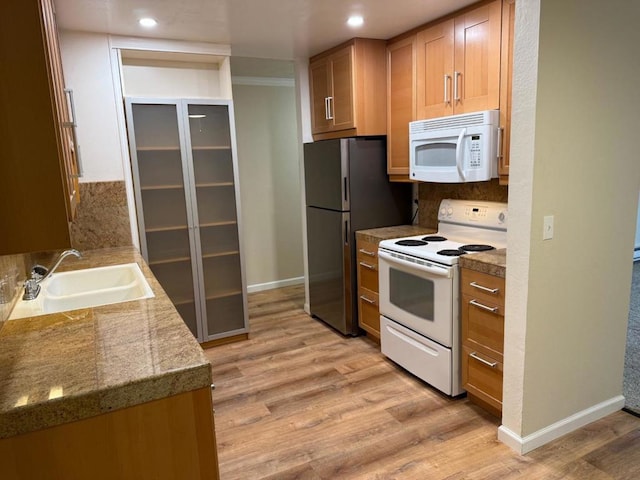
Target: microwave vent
(455,121)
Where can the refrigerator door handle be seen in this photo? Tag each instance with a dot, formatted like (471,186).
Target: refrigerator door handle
(344,189)
(346,229)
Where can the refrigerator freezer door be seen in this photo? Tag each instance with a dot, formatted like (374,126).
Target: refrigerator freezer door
(330,277)
(326,174)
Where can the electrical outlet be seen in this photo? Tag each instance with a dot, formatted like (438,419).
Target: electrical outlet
(547,227)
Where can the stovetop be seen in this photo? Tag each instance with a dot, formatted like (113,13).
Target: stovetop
(464,228)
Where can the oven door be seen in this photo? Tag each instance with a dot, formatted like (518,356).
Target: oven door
(418,294)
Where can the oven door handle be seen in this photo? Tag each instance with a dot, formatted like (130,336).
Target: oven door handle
(423,266)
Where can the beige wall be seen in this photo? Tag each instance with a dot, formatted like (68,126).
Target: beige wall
(266,130)
(574,156)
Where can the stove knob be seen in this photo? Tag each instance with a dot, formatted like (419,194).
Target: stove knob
(443,211)
(502,217)
(449,211)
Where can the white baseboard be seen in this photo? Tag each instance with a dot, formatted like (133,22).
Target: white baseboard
(545,435)
(259,287)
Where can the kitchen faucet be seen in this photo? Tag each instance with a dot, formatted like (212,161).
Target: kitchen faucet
(40,273)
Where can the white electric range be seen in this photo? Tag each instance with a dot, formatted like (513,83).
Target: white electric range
(420,291)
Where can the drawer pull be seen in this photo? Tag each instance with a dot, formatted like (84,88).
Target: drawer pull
(484,307)
(368,300)
(366,265)
(484,289)
(367,252)
(482,360)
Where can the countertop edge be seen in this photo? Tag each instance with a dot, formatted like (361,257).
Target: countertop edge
(195,374)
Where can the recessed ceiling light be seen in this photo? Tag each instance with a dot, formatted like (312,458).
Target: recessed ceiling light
(147,22)
(355,21)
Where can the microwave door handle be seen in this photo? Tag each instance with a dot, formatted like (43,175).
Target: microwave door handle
(459,154)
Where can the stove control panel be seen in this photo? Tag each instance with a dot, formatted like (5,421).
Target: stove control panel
(473,212)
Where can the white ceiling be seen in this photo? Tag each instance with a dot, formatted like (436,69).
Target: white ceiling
(279,29)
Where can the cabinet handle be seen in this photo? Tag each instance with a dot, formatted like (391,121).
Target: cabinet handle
(446,89)
(366,265)
(499,149)
(73,125)
(484,307)
(368,300)
(482,360)
(367,252)
(326,108)
(330,105)
(484,289)
(456,97)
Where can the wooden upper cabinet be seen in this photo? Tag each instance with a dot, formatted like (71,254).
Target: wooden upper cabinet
(39,176)
(458,63)
(347,88)
(401,105)
(506,75)
(434,70)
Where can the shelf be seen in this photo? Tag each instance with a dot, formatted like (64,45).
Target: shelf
(228,293)
(162,187)
(215,184)
(212,147)
(170,260)
(158,149)
(165,229)
(218,224)
(183,301)
(221,254)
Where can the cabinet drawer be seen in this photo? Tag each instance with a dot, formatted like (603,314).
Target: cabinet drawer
(481,328)
(369,313)
(482,377)
(483,287)
(367,251)
(368,275)
(368,265)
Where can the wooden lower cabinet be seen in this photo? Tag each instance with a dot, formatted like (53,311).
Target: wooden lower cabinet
(368,306)
(483,338)
(164,439)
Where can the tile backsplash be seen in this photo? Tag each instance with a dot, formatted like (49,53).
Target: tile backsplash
(431,194)
(102,222)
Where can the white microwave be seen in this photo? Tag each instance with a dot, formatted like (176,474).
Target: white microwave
(455,149)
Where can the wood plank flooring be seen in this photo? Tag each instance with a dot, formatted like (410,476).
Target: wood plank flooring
(298,400)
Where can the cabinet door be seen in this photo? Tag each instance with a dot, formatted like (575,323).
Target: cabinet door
(216,219)
(320,82)
(401,101)
(341,102)
(476,82)
(162,203)
(506,74)
(434,64)
(68,160)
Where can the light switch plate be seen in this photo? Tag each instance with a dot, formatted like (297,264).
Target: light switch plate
(547,228)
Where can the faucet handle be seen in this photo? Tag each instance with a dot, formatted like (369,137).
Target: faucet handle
(31,289)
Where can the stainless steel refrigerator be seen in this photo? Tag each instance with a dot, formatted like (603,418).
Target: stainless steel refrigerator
(347,189)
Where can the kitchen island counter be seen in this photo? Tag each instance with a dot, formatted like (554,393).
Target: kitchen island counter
(65,367)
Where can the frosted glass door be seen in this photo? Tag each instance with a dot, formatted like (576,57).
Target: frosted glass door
(162,203)
(211,149)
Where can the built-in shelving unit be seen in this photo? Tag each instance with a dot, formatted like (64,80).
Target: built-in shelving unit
(184,170)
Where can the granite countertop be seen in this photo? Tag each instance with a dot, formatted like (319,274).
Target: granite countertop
(493,262)
(375,235)
(67,366)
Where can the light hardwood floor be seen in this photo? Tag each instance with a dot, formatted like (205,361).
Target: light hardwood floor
(298,400)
